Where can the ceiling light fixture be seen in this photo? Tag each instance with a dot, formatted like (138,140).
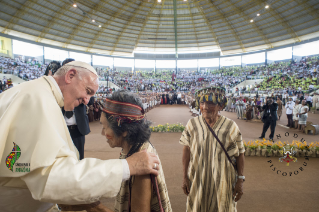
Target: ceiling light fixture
(267,6)
(159,1)
(93,20)
(74,5)
(258,14)
(251,20)
(100,26)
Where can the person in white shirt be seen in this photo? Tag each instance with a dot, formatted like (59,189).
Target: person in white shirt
(311,87)
(295,112)
(289,110)
(309,100)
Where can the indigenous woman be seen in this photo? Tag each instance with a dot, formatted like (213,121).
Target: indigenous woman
(125,126)
(279,111)
(212,146)
(295,112)
(303,115)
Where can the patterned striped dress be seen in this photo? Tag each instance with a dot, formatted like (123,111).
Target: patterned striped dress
(212,176)
(121,202)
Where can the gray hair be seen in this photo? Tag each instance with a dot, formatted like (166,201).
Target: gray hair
(137,132)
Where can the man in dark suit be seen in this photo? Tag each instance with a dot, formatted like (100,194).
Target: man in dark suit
(269,118)
(78,122)
(78,125)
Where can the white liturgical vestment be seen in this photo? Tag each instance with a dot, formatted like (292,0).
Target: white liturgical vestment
(39,163)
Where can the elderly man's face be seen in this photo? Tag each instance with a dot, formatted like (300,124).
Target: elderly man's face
(79,91)
(209,108)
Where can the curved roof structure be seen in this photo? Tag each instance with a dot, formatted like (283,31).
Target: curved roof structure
(118,27)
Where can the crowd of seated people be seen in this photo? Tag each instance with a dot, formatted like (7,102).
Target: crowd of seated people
(299,76)
(278,77)
(27,70)
(167,80)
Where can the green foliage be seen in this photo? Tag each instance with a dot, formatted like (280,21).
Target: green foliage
(168,128)
(275,147)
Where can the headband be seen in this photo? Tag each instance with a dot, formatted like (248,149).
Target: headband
(123,112)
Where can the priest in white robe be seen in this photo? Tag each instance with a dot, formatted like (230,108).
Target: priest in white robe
(39,163)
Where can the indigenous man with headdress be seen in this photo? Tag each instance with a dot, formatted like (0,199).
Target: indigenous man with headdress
(240,107)
(125,126)
(212,147)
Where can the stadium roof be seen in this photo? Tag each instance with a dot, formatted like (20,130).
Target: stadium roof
(118,27)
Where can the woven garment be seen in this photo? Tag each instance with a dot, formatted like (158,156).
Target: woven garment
(240,108)
(121,202)
(303,117)
(211,174)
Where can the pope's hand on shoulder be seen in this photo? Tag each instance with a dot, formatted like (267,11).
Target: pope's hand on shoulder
(142,163)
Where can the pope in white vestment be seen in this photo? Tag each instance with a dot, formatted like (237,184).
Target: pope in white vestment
(39,164)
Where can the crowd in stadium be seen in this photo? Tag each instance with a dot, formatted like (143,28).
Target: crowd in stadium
(278,77)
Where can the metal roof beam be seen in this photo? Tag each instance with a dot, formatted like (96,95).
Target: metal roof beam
(158,23)
(19,13)
(104,26)
(191,15)
(175,28)
(313,12)
(207,23)
(281,20)
(80,24)
(123,30)
(234,33)
(253,24)
(146,19)
(53,21)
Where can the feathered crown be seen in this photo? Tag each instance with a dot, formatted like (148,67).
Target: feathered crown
(217,95)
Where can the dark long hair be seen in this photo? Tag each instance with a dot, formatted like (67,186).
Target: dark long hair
(137,132)
(53,66)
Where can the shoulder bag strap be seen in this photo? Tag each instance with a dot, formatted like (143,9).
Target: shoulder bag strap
(155,186)
(214,134)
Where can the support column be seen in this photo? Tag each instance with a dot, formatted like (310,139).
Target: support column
(43,56)
(266,58)
(175,29)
